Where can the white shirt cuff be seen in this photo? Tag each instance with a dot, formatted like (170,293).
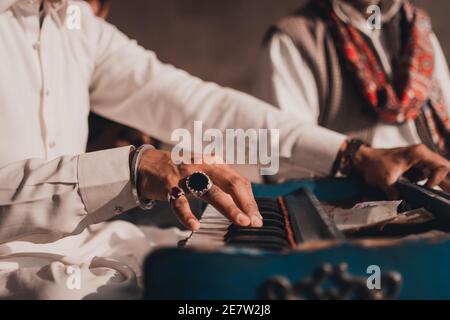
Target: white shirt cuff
(318,149)
(104,181)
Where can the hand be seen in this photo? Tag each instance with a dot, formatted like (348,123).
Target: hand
(231,194)
(382,168)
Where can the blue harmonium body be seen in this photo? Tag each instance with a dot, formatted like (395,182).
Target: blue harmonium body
(324,263)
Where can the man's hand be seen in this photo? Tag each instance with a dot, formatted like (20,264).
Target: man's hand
(231,194)
(382,168)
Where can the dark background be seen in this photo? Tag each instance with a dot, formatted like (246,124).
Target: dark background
(219,40)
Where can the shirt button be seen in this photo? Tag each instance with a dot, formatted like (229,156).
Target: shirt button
(47,93)
(36,45)
(52,144)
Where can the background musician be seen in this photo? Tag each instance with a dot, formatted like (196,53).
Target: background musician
(331,68)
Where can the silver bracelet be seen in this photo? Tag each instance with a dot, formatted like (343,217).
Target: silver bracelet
(146,204)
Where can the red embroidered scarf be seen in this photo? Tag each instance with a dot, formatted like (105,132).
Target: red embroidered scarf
(413,89)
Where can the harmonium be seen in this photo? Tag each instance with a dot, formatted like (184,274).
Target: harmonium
(321,239)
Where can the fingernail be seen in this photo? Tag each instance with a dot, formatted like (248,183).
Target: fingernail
(256,222)
(193,224)
(243,220)
(259,215)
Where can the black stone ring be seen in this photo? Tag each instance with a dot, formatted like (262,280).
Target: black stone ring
(198,184)
(174,194)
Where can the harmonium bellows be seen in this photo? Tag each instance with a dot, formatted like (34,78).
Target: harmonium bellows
(303,244)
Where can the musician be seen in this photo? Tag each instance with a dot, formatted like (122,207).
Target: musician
(382,79)
(54,196)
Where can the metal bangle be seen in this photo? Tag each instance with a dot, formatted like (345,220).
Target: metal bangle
(346,161)
(144,204)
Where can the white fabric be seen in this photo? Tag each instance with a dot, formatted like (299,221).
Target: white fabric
(285,80)
(45,208)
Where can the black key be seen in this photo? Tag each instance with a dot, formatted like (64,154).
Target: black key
(258,239)
(273,223)
(268,204)
(234,228)
(266,200)
(268,231)
(271,215)
(271,210)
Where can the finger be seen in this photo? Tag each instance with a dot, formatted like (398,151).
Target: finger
(388,184)
(180,205)
(445,185)
(182,210)
(437,176)
(241,191)
(418,173)
(225,204)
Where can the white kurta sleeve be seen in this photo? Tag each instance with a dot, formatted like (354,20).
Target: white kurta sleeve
(63,196)
(285,80)
(130,85)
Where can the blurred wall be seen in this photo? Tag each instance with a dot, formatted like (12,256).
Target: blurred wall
(219,40)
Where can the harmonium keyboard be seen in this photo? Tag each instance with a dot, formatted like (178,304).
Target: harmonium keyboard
(287,222)
(301,246)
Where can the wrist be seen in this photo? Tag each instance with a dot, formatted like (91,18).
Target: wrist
(362,156)
(350,155)
(137,178)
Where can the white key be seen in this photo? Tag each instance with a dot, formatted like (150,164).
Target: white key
(213,228)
